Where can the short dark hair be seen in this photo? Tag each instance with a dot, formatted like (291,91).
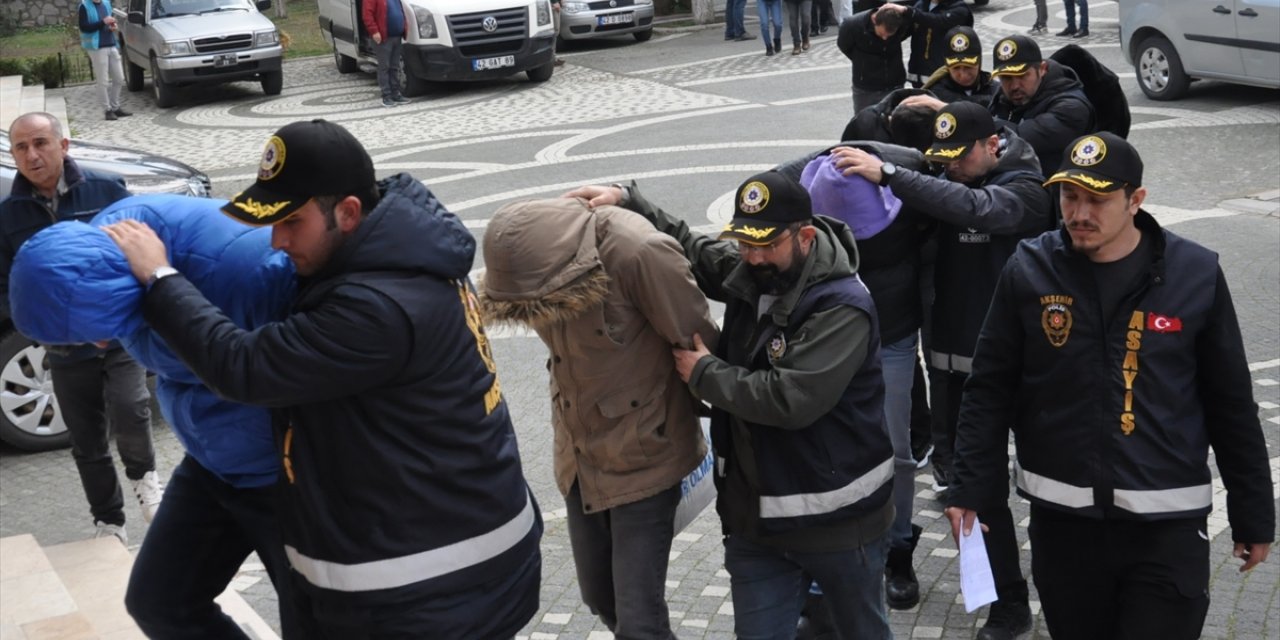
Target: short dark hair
(368,200)
(912,126)
(891,20)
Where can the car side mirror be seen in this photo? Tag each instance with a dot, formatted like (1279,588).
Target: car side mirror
(136,17)
(263,5)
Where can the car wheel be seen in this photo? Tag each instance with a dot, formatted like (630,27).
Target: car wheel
(543,73)
(132,73)
(643,36)
(345,63)
(162,90)
(1159,70)
(412,86)
(29,415)
(273,83)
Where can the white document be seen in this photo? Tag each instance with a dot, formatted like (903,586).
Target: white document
(976,584)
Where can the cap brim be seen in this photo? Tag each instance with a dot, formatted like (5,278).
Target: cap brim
(947,152)
(1012,69)
(951,62)
(260,207)
(752,232)
(1087,180)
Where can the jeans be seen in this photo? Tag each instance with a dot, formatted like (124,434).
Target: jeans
(1042,12)
(769,587)
(798,14)
(734,16)
(204,530)
(770,11)
(100,395)
(898,361)
(1071,13)
(389,67)
(621,556)
(109,75)
(1118,578)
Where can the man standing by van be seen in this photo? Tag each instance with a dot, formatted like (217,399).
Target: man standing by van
(385,23)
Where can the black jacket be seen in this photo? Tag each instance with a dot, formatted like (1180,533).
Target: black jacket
(1115,421)
(24,213)
(872,123)
(929,33)
(888,262)
(402,476)
(981,224)
(1055,116)
(949,91)
(877,64)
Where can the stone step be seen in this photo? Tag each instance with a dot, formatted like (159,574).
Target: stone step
(75,591)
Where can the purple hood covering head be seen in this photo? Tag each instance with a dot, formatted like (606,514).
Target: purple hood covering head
(866,207)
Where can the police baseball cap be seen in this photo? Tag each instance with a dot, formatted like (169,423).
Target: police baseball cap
(963,47)
(764,205)
(1015,55)
(955,129)
(302,160)
(1101,163)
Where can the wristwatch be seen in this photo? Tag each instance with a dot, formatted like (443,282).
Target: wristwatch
(887,171)
(160,272)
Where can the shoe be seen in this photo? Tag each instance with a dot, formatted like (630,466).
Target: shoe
(1036,29)
(560,61)
(1006,621)
(388,102)
(148,491)
(815,622)
(116,530)
(823,31)
(729,38)
(121,113)
(401,100)
(813,32)
(921,454)
(901,587)
(745,36)
(804,46)
(1067,32)
(1083,33)
(111,115)
(768,51)
(941,477)
(777,45)
(795,51)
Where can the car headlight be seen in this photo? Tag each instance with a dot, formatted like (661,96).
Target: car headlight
(573,7)
(176,48)
(644,1)
(198,186)
(426,22)
(544,13)
(266,38)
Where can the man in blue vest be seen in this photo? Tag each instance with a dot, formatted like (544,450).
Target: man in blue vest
(385,23)
(1113,353)
(804,461)
(98,31)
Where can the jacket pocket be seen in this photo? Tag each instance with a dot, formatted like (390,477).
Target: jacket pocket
(636,419)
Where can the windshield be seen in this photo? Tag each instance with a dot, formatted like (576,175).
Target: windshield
(170,8)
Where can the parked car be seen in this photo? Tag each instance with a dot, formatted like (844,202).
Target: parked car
(183,42)
(580,20)
(29,414)
(1173,42)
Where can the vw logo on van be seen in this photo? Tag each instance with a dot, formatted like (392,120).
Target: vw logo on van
(490,24)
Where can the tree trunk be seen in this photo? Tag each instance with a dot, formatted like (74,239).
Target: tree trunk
(282,11)
(704,11)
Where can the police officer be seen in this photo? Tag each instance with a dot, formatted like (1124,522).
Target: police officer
(1113,352)
(1041,100)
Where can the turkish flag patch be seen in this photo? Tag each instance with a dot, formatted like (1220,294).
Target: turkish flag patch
(1163,324)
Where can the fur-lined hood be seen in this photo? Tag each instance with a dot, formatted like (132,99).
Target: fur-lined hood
(542,263)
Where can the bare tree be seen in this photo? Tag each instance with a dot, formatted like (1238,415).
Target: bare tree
(704,11)
(282,11)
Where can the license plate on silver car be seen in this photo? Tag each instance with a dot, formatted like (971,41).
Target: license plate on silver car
(224,60)
(616,18)
(483,64)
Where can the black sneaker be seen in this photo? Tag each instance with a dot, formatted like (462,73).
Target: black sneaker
(1083,33)
(111,115)
(121,113)
(942,477)
(1067,32)
(921,451)
(1006,621)
(745,36)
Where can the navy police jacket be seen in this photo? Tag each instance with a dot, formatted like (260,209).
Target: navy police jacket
(1115,421)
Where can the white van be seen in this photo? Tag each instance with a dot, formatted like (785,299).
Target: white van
(449,40)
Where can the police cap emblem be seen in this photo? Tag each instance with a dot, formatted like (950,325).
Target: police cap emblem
(959,42)
(272,159)
(1006,50)
(944,126)
(777,347)
(1089,151)
(754,197)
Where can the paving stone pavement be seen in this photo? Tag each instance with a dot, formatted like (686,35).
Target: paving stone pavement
(480,133)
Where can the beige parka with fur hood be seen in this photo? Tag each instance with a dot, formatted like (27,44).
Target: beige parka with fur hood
(609,295)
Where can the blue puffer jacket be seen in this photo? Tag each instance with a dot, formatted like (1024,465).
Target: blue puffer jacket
(76,269)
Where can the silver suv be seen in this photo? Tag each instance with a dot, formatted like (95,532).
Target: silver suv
(1172,42)
(199,42)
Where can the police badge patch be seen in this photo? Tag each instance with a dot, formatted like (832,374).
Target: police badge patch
(754,198)
(1088,152)
(1056,321)
(944,126)
(777,347)
(272,159)
(959,43)
(1006,49)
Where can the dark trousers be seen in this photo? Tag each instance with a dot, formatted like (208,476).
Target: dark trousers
(621,556)
(921,419)
(946,388)
(798,20)
(822,15)
(1104,579)
(97,396)
(388,52)
(201,535)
